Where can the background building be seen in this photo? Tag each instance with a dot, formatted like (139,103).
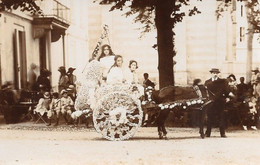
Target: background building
(202,41)
(69,30)
(58,38)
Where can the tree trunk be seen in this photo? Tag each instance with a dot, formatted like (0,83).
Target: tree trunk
(164,25)
(250,35)
(249,57)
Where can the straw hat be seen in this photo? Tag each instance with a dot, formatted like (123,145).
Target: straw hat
(214,70)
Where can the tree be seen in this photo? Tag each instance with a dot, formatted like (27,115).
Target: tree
(23,5)
(253,21)
(162,15)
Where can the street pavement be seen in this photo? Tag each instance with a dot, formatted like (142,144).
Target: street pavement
(28,143)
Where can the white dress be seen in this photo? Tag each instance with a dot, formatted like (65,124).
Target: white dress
(115,76)
(106,63)
(131,77)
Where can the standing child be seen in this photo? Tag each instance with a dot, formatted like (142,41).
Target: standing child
(66,106)
(55,109)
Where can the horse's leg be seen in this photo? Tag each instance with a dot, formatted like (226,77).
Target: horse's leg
(160,132)
(202,115)
(160,123)
(210,114)
(164,132)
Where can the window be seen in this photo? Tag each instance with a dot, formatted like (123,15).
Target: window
(242,34)
(242,10)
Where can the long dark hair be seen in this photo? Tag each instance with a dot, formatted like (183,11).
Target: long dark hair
(115,64)
(102,51)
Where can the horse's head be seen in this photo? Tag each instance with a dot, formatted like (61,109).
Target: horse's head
(148,92)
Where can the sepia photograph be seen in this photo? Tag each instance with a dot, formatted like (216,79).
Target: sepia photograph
(129,82)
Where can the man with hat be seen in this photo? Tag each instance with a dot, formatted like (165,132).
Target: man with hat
(218,92)
(63,80)
(71,76)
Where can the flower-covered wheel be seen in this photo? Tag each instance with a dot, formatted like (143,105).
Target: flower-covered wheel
(117,116)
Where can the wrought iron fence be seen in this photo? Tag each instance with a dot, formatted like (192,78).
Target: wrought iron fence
(54,8)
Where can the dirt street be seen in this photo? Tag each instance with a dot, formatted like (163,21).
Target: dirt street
(33,145)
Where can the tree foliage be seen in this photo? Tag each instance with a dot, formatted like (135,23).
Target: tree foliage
(23,5)
(144,10)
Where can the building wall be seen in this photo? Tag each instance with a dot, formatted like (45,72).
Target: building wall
(8,23)
(241,40)
(202,42)
(76,42)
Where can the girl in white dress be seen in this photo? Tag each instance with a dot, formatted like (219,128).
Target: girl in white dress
(106,59)
(131,75)
(115,74)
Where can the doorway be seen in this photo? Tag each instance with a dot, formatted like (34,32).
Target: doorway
(20,66)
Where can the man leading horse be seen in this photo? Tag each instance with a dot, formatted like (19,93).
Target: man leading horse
(214,93)
(219,92)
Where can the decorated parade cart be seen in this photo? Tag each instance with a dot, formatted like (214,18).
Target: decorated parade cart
(116,108)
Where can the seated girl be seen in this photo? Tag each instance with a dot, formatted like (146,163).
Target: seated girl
(43,104)
(131,75)
(106,59)
(55,109)
(115,74)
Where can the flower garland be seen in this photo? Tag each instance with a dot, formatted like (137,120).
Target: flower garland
(182,103)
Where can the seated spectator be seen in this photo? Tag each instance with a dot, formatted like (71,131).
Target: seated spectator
(55,109)
(66,106)
(251,118)
(72,92)
(8,101)
(9,94)
(44,104)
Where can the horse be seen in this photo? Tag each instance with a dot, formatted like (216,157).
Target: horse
(171,98)
(198,97)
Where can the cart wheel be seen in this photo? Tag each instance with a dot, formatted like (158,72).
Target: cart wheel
(117,116)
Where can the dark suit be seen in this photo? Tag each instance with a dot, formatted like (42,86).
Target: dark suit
(218,91)
(147,83)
